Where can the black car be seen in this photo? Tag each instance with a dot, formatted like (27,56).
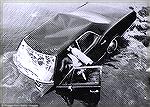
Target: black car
(66,51)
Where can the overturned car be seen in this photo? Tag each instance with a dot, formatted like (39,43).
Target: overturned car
(66,51)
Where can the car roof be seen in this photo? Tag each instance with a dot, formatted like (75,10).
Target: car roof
(61,30)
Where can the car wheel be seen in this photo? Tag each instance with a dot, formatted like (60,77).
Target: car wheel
(112,46)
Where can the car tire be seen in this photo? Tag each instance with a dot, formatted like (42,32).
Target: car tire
(112,46)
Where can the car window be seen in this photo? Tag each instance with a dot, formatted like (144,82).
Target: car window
(87,40)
